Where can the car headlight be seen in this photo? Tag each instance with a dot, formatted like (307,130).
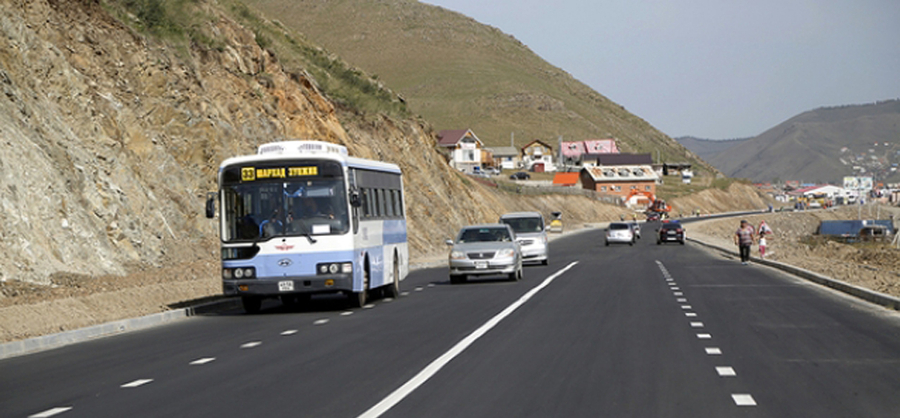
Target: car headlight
(509,252)
(457,255)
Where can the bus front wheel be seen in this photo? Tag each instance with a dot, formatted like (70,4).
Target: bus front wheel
(358,299)
(393,290)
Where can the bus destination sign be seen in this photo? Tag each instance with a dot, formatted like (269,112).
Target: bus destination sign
(253,173)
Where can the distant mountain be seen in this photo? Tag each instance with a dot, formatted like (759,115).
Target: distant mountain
(821,145)
(708,148)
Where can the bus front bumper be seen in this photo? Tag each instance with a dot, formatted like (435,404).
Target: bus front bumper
(323,283)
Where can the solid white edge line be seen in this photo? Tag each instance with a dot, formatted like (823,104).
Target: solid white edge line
(51,412)
(412,384)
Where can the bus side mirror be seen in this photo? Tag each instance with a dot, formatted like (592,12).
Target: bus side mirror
(354,199)
(211,205)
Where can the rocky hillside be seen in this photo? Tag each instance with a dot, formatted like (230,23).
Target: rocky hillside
(112,138)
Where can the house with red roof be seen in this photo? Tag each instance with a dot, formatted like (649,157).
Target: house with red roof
(463,149)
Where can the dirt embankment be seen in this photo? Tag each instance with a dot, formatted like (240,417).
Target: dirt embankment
(874,266)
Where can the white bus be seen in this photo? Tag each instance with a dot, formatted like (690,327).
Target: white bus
(303,217)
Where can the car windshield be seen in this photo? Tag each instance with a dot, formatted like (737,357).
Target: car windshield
(619,226)
(524,225)
(483,235)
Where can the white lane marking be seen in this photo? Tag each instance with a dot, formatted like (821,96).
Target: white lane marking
(418,289)
(685,307)
(430,284)
(136,383)
(346,313)
(404,294)
(713,351)
(690,314)
(704,336)
(675,288)
(743,399)
(696,325)
(388,299)
(682,300)
(251,344)
(289,332)
(321,321)
(369,306)
(678,294)
(202,361)
(725,371)
(412,384)
(51,412)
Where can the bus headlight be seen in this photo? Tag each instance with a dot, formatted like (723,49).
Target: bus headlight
(238,273)
(334,268)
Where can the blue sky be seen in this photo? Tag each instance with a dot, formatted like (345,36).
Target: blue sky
(714,69)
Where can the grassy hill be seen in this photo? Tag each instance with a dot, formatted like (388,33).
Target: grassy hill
(821,145)
(458,73)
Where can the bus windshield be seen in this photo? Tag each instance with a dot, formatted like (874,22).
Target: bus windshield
(292,207)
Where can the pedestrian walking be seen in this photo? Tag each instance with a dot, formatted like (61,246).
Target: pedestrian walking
(743,238)
(763,231)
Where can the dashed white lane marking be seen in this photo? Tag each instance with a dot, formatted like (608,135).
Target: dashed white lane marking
(321,322)
(690,314)
(430,284)
(678,294)
(713,351)
(369,306)
(388,299)
(136,383)
(743,399)
(675,288)
(251,344)
(681,300)
(404,294)
(725,371)
(202,361)
(412,384)
(418,289)
(289,332)
(346,313)
(51,412)
(696,325)
(686,307)
(704,336)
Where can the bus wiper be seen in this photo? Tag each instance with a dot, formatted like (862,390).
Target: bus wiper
(306,233)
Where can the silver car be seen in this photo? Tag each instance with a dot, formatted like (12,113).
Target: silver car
(531,232)
(619,232)
(481,250)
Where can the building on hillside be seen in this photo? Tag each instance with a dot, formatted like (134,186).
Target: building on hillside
(566,179)
(575,153)
(537,156)
(506,158)
(462,148)
(623,159)
(631,177)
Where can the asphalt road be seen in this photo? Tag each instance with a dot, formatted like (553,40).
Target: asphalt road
(637,331)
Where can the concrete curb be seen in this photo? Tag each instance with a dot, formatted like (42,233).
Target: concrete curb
(48,342)
(860,292)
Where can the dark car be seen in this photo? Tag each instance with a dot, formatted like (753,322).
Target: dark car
(521,175)
(670,231)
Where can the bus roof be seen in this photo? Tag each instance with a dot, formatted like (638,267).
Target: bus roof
(286,150)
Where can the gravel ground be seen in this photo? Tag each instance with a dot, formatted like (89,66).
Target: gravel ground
(875,266)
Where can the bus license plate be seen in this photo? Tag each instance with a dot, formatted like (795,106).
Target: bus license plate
(286,286)
(481,264)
